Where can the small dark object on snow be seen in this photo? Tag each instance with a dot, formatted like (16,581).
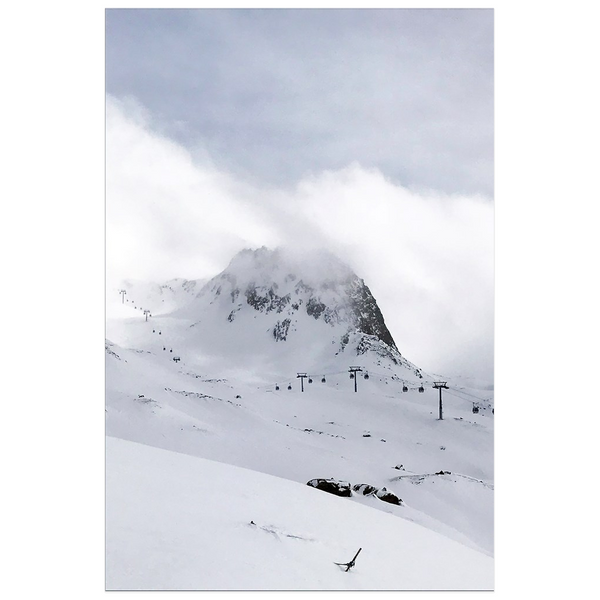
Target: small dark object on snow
(276,387)
(324,380)
(252,523)
(238,396)
(421,389)
(140,395)
(289,387)
(309,380)
(171,350)
(366,435)
(404,388)
(444,473)
(475,409)
(350,564)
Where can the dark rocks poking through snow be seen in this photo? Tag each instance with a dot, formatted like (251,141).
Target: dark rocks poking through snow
(386,496)
(332,486)
(343,488)
(370,490)
(280,331)
(364,488)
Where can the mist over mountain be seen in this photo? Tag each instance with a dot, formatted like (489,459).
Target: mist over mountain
(276,311)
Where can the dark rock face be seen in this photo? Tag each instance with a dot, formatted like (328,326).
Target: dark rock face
(332,486)
(367,316)
(315,308)
(280,330)
(266,302)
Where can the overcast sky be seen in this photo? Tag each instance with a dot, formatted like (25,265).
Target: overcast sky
(275,94)
(368,132)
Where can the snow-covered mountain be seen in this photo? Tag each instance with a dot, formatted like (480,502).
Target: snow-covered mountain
(213,373)
(313,300)
(271,313)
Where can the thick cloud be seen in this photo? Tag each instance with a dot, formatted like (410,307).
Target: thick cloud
(427,257)
(274,95)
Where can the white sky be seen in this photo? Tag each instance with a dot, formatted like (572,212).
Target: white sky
(272,95)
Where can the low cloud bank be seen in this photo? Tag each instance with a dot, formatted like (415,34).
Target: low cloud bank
(427,257)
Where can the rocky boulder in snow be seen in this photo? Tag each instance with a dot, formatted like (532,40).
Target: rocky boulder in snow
(386,496)
(332,486)
(364,488)
(370,490)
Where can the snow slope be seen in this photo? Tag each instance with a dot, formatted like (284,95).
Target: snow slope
(176,522)
(220,400)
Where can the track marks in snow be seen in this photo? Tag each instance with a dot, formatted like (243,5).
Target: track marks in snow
(418,479)
(279,533)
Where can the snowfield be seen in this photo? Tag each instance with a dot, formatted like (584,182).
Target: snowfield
(224,435)
(176,522)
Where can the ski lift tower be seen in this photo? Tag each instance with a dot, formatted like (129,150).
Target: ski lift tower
(122,292)
(440,385)
(353,371)
(147,312)
(301,376)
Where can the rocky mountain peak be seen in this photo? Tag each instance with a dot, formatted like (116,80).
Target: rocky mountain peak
(290,291)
